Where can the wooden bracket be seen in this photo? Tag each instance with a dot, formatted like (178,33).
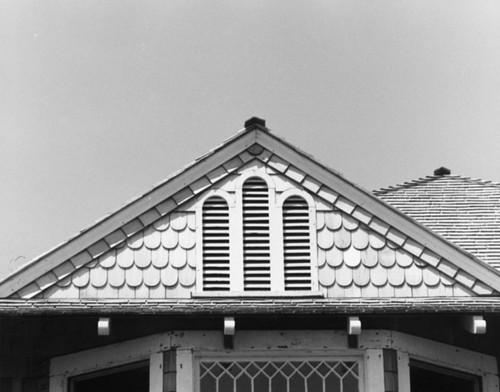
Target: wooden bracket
(104,326)
(353,326)
(229,330)
(474,324)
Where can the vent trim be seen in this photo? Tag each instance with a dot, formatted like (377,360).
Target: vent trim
(296,244)
(216,244)
(256,235)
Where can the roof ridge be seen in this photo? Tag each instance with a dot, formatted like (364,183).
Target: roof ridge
(406,184)
(427,179)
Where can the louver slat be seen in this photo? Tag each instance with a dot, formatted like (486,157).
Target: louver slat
(215,245)
(256,243)
(296,244)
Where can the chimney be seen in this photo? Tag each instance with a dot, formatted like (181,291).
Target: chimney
(255,122)
(442,171)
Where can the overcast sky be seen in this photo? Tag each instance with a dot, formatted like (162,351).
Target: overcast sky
(99,100)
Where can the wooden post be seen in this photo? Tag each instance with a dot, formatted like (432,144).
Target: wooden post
(156,372)
(184,367)
(374,381)
(403,372)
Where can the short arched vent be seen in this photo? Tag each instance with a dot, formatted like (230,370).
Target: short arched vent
(256,241)
(216,245)
(296,244)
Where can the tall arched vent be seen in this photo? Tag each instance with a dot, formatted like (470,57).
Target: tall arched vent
(296,244)
(256,243)
(216,245)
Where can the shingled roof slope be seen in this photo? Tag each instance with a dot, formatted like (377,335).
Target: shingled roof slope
(463,210)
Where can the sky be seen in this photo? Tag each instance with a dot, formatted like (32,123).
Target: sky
(100,100)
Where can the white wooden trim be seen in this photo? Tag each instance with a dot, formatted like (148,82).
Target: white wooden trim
(106,356)
(258,172)
(374,370)
(282,355)
(156,372)
(231,148)
(58,383)
(313,252)
(185,376)
(313,235)
(430,351)
(238,229)
(152,347)
(439,354)
(199,247)
(403,372)
(229,198)
(236,242)
(378,208)
(490,383)
(130,211)
(295,192)
(258,294)
(276,244)
(274,343)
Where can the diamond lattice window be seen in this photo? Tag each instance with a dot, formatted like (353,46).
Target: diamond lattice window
(279,376)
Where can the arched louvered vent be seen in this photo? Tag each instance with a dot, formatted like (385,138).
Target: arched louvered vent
(296,244)
(256,243)
(215,244)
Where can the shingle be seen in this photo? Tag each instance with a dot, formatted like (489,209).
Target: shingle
(464,211)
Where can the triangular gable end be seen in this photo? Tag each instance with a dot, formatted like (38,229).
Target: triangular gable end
(256,143)
(353,260)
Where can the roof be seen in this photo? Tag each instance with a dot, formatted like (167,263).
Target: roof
(463,210)
(322,182)
(251,306)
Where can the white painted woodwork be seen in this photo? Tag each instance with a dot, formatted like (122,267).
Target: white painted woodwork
(110,223)
(256,201)
(229,326)
(370,203)
(474,324)
(374,370)
(354,325)
(403,372)
(156,372)
(490,383)
(296,239)
(216,261)
(146,207)
(431,352)
(262,294)
(104,326)
(293,344)
(185,374)
(276,243)
(58,383)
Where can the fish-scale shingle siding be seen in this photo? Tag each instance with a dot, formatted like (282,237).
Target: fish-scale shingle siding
(355,261)
(356,253)
(159,262)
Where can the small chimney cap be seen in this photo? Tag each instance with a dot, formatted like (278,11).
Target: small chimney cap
(442,171)
(251,122)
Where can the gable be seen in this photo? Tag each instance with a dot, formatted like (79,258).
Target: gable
(134,254)
(348,259)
